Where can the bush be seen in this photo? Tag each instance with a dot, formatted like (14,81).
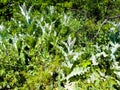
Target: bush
(52,50)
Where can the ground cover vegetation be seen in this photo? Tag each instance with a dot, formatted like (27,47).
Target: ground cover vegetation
(59,45)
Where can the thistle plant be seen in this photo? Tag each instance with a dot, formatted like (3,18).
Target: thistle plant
(45,55)
(70,52)
(47,27)
(65,19)
(25,12)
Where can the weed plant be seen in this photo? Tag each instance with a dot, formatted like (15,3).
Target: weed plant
(51,51)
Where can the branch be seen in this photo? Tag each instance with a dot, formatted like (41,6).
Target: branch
(103,24)
(118,16)
(100,28)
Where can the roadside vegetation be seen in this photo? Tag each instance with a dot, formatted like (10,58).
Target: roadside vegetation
(59,45)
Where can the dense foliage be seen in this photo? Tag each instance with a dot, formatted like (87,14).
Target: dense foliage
(59,45)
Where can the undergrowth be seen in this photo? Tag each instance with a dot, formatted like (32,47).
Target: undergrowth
(56,51)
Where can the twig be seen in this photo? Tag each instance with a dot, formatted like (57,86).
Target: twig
(114,17)
(100,28)
(103,24)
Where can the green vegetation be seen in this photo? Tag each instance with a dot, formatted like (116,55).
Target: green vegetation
(59,45)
